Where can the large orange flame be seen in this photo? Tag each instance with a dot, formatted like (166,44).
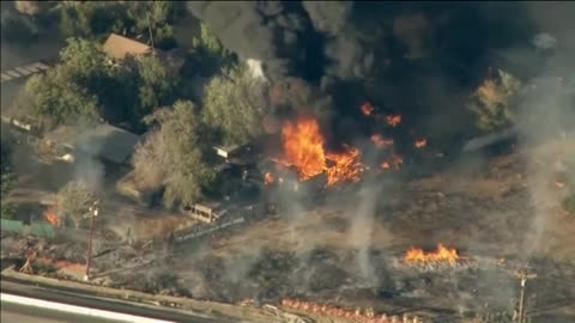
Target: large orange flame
(345,166)
(303,146)
(441,255)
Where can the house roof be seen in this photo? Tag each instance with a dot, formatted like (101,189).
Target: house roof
(105,141)
(119,47)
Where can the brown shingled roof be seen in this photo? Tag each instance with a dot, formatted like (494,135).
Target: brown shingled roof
(119,47)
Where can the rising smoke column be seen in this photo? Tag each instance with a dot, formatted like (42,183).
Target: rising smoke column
(271,32)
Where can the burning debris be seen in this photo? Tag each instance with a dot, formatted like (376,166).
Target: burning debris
(395,162)
(380,142)
(269,179)
(304,150)
(367,109)
(420,143)
(51,215)
(393,120)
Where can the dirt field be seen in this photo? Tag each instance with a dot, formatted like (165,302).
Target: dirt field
(487,211)
(500,213)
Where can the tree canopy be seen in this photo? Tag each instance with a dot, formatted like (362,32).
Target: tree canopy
(156,86)
(74,201)
(85,87)
(54,100)
(6,208)
(96,19)
(173,155)
(234,105)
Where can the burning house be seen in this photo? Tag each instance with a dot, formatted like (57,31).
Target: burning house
(370,228)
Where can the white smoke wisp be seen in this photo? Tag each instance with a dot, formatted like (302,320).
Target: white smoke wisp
(256,70)
(546,124)
(361,230)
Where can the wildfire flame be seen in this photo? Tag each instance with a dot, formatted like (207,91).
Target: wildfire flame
(303,146)
(421,143)
(367,109)
(51,215)
(269,178)
(381,142)
(441,255)
(393,120)
(395,161)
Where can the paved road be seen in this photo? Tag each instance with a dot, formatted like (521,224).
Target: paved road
(20,313)
(13,313)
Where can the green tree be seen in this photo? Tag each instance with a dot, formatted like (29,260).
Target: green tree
(84,86)
(31,8)
(6,208)
(18,29)
(74,201)
(92,18)
(568,204)
(172,155)
(209,54)
(155,15)
(84,61)
(156,85)
(114,86)
(234,105)
(54,99)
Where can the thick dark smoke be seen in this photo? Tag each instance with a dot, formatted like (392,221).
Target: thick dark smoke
(346,57)
(311,39)
(422,60)
(272,32)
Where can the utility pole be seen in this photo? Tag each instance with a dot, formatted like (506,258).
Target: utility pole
(150,32)
(523,276)
(93,214)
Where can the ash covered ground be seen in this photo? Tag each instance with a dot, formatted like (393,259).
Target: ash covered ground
(334,254)
(345,246)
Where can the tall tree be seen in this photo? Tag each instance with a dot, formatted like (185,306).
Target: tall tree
(6,208)
(156,85)
(54,99)
(173,155)
(74,201)
(234,104)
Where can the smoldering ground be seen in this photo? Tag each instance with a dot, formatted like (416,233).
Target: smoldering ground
(422,60)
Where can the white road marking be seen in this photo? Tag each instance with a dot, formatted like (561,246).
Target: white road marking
(42,66)
(32,68)
(23,71)
(14,74)
(62,307)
